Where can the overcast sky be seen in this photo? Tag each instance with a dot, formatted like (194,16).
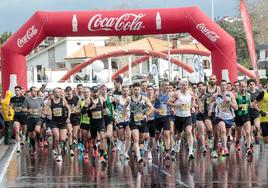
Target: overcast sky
(13,13)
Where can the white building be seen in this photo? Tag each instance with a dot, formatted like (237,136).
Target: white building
(48,64)
(263,60)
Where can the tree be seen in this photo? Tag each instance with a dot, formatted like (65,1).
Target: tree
(4,36)
(258,10)
(235,29)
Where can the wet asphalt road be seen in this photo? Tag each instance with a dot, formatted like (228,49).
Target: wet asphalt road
(43,171)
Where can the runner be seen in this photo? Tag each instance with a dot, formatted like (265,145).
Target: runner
(200,124)
(161,117)
(211,89)
(122,116)
(33,105)
(242,118)
(260,104)
(151,123)
(96,108)
(85,121)
(183,101)
(73,126)
(16,103)
(253,113)
(60,111)
(138,116)
(225,106)
(108,115)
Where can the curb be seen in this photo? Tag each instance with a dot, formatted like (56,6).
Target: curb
(4,163)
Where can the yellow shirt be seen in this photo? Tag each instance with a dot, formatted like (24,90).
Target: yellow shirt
(263,105)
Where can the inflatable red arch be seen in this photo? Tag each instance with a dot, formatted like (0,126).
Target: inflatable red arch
(77,68)
(117,23)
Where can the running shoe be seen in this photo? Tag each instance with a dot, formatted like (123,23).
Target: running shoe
(86,156)
(71,152)
(126,156)
(249,152)
(157,146)
(59,158)
(191,156)
(173,153)
(95,153)
(101,159)
(79,146)
(167,156)
(221,151)
(114,149)
(139,159)
(237,147)
(252,148)
(226,152)
(18,147)
(203,149)
(22,143)
(83,148)
(54,152)
(46,144)
(105,155)
(214,154)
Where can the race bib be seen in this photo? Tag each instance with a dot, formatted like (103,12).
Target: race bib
(124,116)
(57,112)
(185,107)
(17,109)
(243,107)
(162,112)
(224,107)
(35,112)
(202,107)
(73,109)
(96,115)
(138,117)
(209,100)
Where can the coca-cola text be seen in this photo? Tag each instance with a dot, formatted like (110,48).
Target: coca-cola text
(30,33)
(211,35)
(131,22)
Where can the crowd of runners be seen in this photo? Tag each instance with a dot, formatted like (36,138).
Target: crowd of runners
(140,120)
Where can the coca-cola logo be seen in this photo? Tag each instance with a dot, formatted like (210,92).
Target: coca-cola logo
(30,33)
(130,21)
(211,35)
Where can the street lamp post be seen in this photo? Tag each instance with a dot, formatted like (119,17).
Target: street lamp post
(169,63)
(212,10)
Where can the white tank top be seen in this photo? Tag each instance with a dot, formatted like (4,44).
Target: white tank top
(223,109)
(184,110)
(122,114)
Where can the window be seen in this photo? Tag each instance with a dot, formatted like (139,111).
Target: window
(206,64)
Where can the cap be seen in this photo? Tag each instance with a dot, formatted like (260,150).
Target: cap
(68,88)
(95,88)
